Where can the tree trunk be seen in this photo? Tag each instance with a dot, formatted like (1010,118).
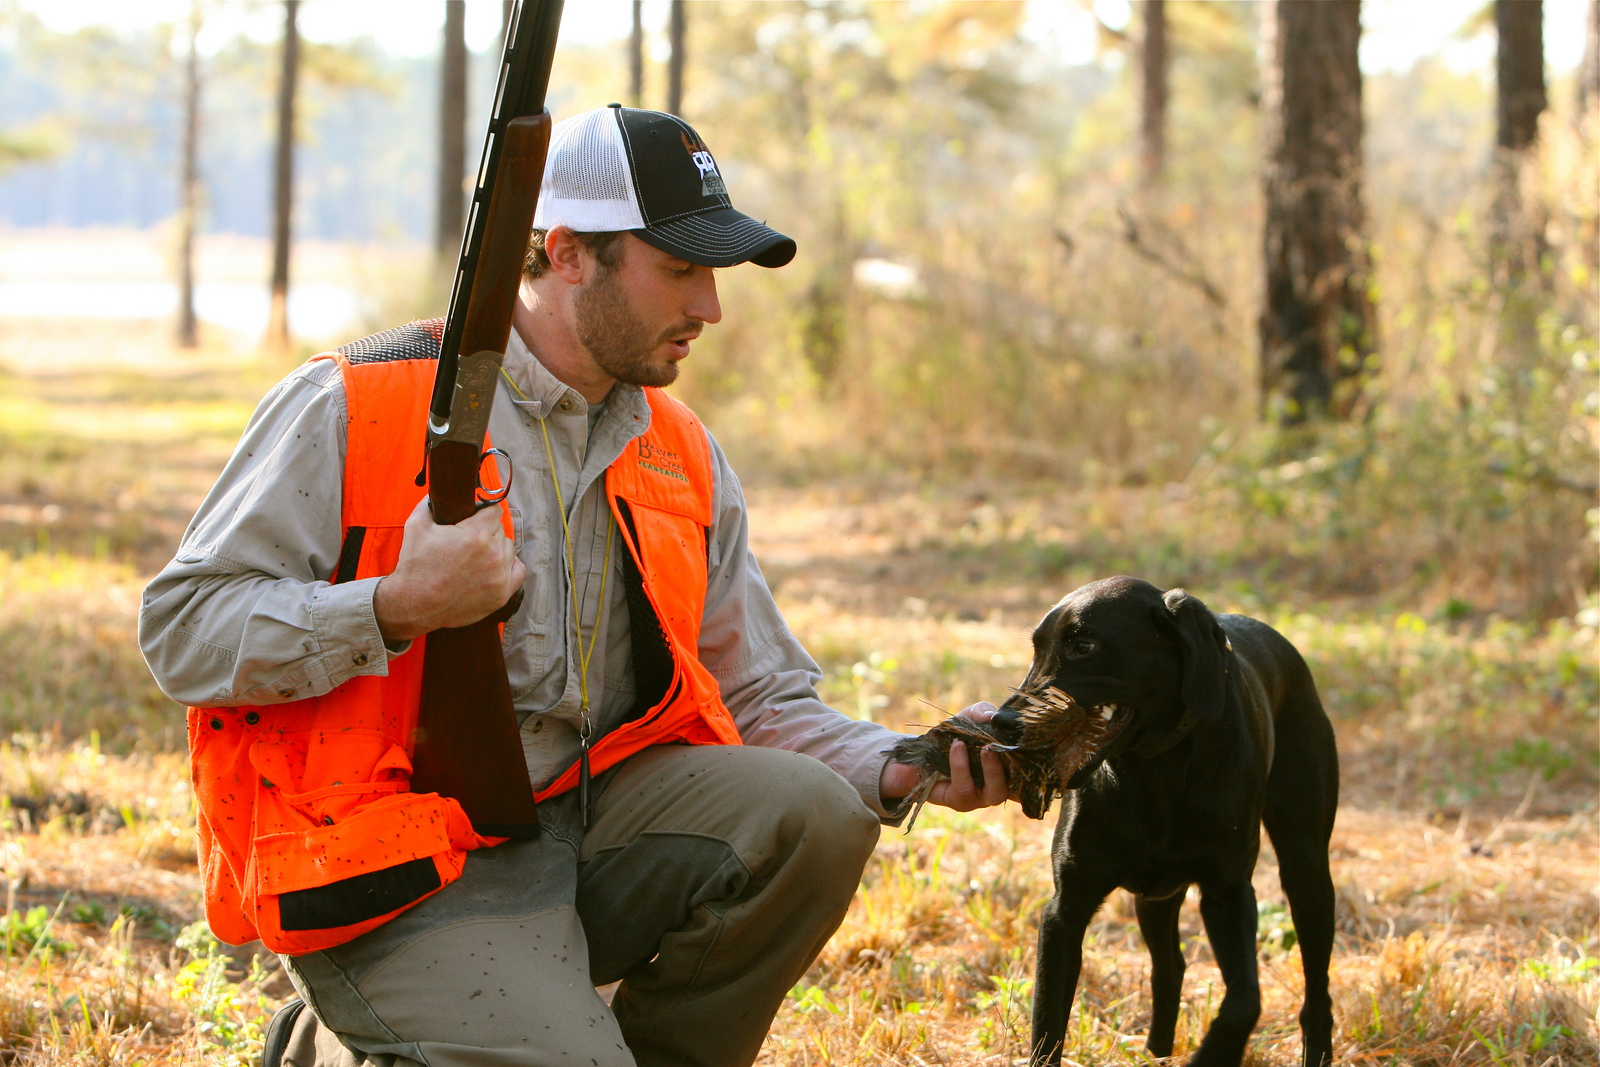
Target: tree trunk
(1514,233)
(677,31)
(1153,98)
(1585,116)
(1519,72)
(1317,323)
(636,57)
(188,326)
(1589,71)
(452,130)
(283,182)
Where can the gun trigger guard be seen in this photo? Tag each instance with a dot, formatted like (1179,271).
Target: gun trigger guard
(489,499)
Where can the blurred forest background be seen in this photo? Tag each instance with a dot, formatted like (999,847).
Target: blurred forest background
(1194,290)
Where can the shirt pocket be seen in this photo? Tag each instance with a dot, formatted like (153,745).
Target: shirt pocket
(525,642)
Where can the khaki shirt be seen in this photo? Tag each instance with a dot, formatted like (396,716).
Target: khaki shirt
(245,614)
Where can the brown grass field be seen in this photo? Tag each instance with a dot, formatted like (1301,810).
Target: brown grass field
(1465,854)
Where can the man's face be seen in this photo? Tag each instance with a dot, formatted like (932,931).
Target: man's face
(637,318)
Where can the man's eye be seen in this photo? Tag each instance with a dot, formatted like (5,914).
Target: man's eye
(1083,646)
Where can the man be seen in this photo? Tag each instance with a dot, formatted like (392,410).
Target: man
(704,876)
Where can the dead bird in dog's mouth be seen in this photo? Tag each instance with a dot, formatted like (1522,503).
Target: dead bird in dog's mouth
(1047,742)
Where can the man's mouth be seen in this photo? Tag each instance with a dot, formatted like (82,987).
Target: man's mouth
(677,341)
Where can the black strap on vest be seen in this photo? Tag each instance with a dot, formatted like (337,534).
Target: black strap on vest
(357,899)
(652,657)
(349,555)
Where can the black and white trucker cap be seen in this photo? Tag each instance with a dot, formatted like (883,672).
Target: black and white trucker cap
(620,168)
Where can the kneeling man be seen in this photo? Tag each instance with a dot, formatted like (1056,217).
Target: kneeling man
(730,811)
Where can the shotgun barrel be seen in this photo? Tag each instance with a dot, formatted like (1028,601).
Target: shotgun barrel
(467,742)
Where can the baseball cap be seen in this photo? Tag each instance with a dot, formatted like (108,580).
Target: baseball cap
(647,172)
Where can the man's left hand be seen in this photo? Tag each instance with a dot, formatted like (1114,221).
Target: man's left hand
(959,792)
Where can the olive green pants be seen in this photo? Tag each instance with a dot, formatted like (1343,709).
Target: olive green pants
(709,879)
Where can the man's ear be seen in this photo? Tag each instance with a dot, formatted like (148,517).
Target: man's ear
(1205,651)
(565,253)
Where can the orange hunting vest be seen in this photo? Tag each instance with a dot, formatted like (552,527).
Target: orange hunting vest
(308,835)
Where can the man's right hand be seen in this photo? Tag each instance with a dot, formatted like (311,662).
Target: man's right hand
(447,575)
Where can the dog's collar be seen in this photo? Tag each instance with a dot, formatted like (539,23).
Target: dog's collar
(1155,746)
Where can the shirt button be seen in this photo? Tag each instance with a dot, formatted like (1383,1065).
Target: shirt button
(286,694)
(359,659)
(566,403)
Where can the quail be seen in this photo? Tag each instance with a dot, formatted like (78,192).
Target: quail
(1042,735)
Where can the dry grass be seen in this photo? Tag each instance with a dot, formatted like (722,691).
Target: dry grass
(1464,856)
(1454,948)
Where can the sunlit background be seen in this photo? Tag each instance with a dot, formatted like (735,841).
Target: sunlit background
(366,173)
(1011,356)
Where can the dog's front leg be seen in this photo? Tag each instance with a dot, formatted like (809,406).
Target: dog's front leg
(1061,928)
(1229,911)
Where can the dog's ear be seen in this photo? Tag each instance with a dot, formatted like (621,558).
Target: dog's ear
(1205,654)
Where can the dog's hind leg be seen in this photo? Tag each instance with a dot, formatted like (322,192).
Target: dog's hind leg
(1061,928)
(1158,922)
(1229,911)
(1299,820)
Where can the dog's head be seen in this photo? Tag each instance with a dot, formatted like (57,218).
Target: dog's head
(1136,660)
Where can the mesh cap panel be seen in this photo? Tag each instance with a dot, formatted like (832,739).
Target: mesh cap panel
(589,165)
(586,184)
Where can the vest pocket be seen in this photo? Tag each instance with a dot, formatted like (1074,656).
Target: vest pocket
(323,886)
(339,846)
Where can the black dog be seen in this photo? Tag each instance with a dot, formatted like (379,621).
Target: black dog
(1206,727)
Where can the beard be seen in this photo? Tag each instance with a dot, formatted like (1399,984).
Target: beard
(619,341)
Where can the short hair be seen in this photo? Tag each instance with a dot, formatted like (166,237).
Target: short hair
(605,246)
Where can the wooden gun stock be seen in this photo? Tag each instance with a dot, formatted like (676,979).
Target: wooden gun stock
(468,744)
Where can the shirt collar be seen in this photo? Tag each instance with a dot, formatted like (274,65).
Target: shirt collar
(537,391)
(542,392)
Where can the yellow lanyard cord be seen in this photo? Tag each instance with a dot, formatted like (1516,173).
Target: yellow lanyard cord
(584,655)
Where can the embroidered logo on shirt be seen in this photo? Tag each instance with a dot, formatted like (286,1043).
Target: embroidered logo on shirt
(662,461)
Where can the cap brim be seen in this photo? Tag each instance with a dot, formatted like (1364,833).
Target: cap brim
(723,237)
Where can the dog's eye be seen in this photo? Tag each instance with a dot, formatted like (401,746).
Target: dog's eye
(1083,646)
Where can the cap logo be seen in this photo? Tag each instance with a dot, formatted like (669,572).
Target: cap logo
(710,180)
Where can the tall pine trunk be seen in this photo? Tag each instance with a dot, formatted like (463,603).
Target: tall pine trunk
(1587,117)
(452,130)
(1317,326)
(1519,72)
(1153,95)
(1589,70)
(636,57)
(1520,99)
(677,30)
(283,182)
(188,325)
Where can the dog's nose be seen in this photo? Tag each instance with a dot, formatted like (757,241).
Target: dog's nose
(1008,724)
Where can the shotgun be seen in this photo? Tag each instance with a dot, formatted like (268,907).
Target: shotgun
(467,743)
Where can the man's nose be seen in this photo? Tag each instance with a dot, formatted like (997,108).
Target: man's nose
(703,304)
